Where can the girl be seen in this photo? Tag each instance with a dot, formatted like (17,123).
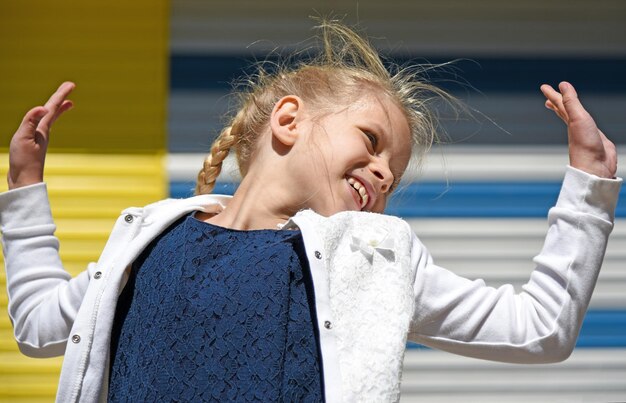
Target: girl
(295,288)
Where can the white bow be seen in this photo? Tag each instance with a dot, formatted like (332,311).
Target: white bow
(385,248)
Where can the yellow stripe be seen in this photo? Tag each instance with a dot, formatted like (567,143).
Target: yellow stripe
(87,192)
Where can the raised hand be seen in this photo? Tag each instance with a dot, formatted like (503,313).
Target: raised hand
(589,149)
(27,152)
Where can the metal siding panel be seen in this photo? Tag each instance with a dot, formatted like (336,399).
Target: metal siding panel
(116,53)
(457,28)
(588,375)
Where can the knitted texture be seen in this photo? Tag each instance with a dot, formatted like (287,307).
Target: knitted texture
(212,314)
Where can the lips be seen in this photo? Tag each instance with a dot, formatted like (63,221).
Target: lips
(360,190)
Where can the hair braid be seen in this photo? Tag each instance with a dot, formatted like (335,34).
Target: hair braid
(212,165)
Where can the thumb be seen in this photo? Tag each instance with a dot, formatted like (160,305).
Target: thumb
(571,103)
(32,118)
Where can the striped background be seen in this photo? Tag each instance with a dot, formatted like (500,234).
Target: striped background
(481,203)
(153,88)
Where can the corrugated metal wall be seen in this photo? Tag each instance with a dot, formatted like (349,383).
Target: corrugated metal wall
(480,205)
(116,52)
(106,154)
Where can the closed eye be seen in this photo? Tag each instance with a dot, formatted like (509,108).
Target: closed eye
(372,138)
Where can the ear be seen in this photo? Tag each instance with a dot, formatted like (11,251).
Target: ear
(285,117)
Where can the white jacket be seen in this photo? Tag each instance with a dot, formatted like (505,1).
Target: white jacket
(374,282)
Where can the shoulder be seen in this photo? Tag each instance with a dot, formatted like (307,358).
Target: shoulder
(202,203)
(349,224)
(152,219)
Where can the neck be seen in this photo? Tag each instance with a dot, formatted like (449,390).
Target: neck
(255,205)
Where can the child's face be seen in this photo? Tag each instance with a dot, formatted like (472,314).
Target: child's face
(356,157)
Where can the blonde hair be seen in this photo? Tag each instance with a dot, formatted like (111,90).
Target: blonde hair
(345,66)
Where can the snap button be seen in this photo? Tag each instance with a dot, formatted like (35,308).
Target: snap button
(76,339)
(128,218)
(318,254)
(97,275)
(328,325)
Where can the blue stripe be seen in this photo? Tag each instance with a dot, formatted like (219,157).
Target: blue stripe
(590,75)
(459,199)
(606,328)
(179,190)
(601,329)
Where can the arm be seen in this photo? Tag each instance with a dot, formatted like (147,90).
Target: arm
(43,299)
(541,323)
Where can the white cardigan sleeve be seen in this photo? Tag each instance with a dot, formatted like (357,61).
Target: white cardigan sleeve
(43,298)
(541,323)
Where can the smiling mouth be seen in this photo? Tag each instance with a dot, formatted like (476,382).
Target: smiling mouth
(360,191)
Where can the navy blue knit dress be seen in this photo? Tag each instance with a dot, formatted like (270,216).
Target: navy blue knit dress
(213,314)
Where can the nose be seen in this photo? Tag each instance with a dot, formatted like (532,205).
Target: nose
(380,169)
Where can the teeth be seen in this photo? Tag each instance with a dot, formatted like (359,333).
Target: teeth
(364,201)
(360,189)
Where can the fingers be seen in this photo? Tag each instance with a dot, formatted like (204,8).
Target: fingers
(556,110)
(554,101)
(65,106)
(56,105)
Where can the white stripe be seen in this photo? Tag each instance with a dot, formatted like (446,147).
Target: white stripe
(500,251)
(589,375)
(503,163)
